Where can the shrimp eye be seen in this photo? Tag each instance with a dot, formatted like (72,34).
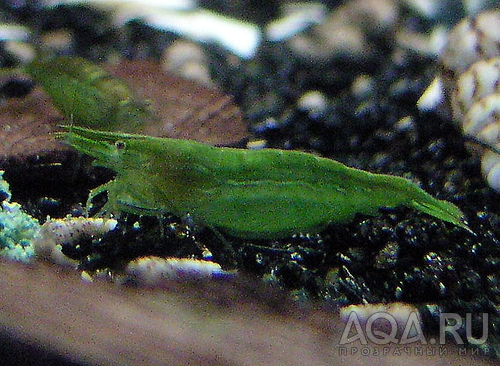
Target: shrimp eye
(120,145)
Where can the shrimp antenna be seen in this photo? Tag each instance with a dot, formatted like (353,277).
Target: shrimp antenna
(72,114)
(484,144)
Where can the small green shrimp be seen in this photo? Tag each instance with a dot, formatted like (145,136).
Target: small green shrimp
(88,94)
(250,194)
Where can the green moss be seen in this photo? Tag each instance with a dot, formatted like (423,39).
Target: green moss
(17,228)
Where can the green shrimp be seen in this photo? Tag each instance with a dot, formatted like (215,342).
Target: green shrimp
(250,194)
(88,94)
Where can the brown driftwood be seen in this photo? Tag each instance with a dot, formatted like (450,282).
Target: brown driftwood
(49,316)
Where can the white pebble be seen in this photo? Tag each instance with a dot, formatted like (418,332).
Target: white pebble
(56,232)
(153,271)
